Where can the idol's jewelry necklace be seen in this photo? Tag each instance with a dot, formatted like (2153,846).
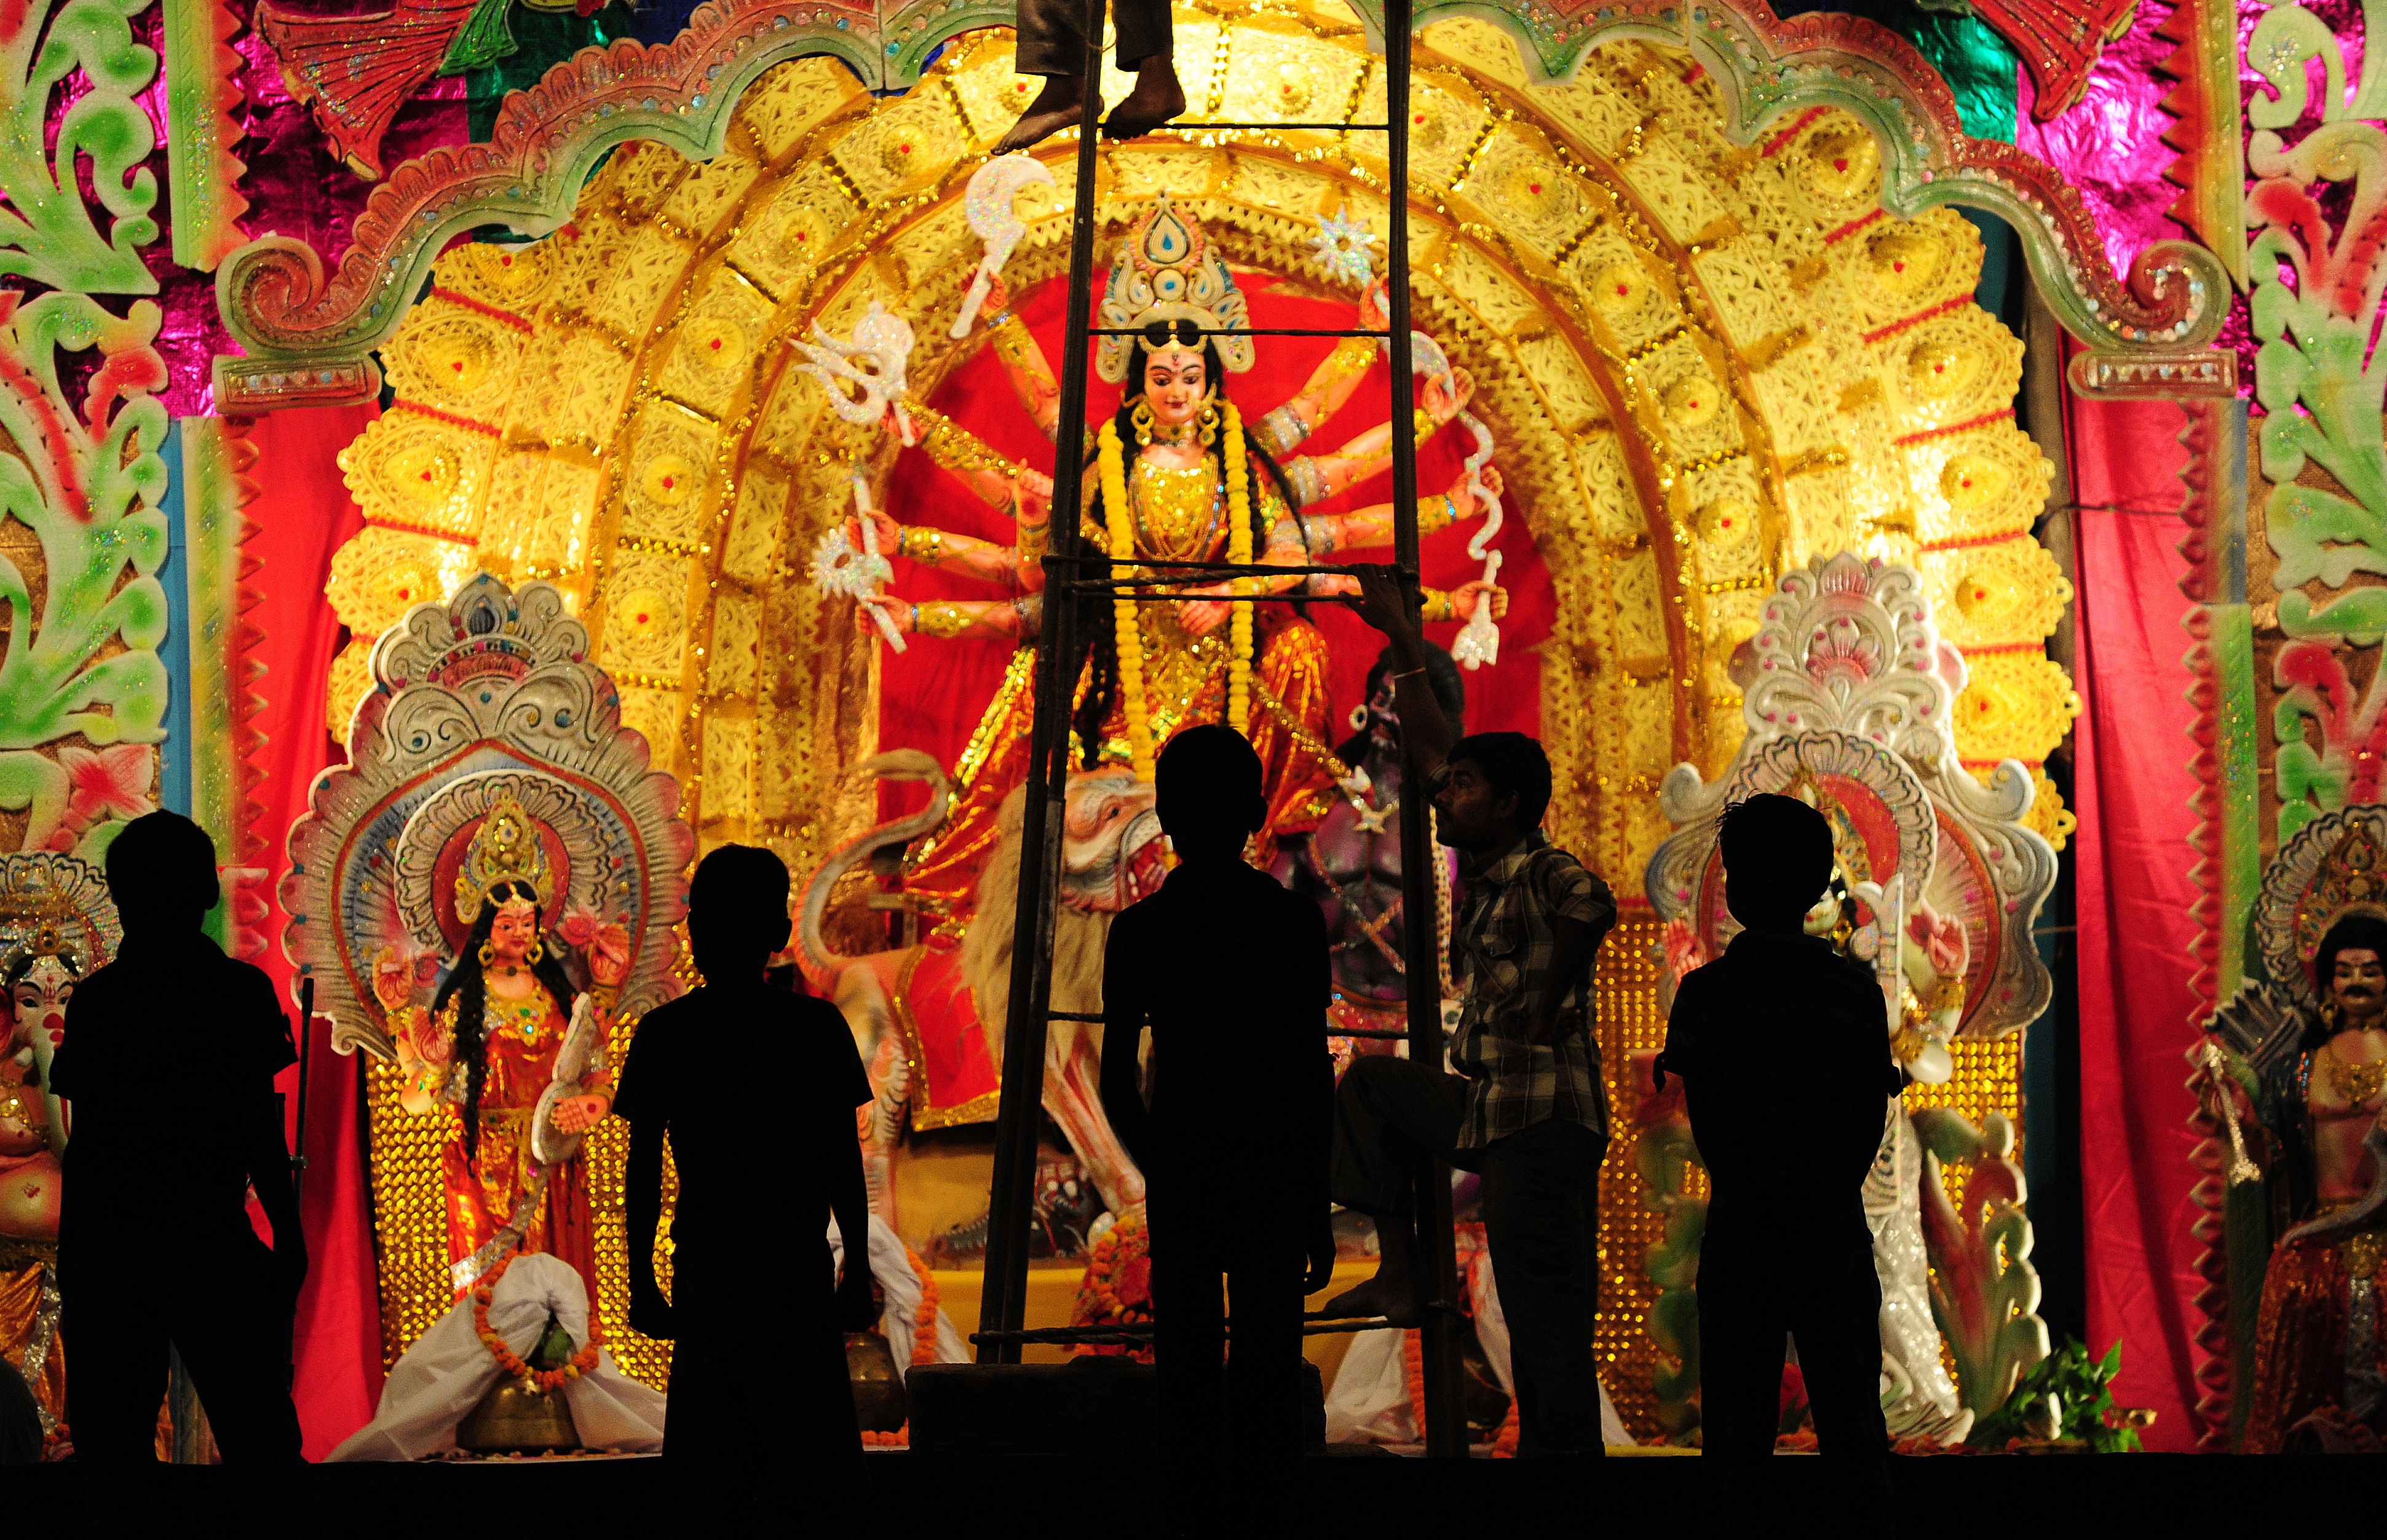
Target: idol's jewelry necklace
(2356,1084)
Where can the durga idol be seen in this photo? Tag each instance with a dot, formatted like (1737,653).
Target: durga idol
(1177,475)
(517,1052)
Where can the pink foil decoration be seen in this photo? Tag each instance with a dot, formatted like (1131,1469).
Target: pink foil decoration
(294,188)
(2110,146)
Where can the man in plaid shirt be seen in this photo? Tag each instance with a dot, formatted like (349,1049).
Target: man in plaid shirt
(1527,1110)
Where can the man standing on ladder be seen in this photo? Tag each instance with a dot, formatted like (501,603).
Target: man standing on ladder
(1053,44)
(1068,570)
(1527,1110)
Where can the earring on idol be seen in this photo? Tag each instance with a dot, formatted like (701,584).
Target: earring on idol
(1209,421)
(488,954)
(1140,418)
(537,950)
(1359,718)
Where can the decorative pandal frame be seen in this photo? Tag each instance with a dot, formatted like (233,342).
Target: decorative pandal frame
(309,336)
(1667,532)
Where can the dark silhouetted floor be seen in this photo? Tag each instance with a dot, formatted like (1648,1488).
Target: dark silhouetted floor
(1950,1497)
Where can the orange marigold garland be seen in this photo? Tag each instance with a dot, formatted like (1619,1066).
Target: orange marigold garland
(536,1381)
(1117,1289)
(1413,1366)
(924,1331)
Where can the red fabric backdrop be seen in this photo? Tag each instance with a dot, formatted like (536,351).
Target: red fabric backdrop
(933,695)
(302,514)
(2138,1007)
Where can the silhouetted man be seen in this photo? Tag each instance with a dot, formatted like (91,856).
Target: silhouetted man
(756,1086)
(1231,971)
(169,1061)
(1786,1066)
(1526,1110)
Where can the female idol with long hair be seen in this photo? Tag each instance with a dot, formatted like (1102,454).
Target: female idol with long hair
(500,1029)
(1177,475)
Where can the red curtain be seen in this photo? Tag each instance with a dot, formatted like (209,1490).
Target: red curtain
(2139,1006)
(302,515)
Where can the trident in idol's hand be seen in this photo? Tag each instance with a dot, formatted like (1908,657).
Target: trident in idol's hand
(987,205)
(873,363)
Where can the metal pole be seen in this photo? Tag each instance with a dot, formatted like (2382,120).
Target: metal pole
(298,1139)
(1003,1304)
(1436,1277)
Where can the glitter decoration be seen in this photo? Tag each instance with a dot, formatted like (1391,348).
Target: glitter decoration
(1345,249)
(88,483)
(837,568)
(873,363)
(990,206)
(202,175)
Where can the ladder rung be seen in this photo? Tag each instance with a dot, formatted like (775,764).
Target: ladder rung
(1090,585)
(1191,566)
(1320,128)
(1096,1015)
(1066,1336)
(1143,1330)
(1141,596)
(1242,332)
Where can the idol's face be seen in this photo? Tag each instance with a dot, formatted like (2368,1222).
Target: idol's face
(1175,385)
(2358,983)
(510,934)
(40,1001)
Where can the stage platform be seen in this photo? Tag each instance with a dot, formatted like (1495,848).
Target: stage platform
(1365,1493)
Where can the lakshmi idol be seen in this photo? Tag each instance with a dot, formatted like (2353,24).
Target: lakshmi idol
(1177,473)
(517,1052)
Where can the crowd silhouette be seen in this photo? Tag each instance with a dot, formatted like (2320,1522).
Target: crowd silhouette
(1215,1077)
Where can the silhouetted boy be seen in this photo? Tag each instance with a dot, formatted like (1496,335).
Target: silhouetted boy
(756,1088)
(1786,1066)
(167,1067)
(1527,1109)
(1231,970)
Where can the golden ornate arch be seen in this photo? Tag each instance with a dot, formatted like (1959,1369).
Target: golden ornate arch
(1703,360)
(1700,359)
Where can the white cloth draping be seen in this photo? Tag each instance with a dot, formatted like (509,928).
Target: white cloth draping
(1370,1401)
(448,1370)
(903,1290)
